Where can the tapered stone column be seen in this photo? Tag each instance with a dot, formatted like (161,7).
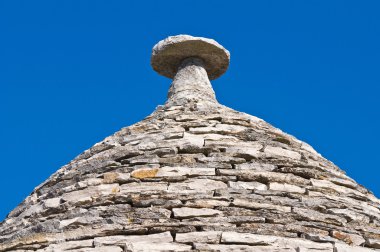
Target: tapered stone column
(191,83)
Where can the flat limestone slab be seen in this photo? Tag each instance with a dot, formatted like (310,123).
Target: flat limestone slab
(169,53)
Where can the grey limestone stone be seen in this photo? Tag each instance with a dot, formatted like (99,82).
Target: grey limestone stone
(266,240)
(247,185)
(196,186)
(168,54)
(184,171)
(245,248)
(199,237)
(277,151)
(156,247)
(207,203)
(122,240)
(52,203)
(286,188)
(256,205)
(101,249)
(373,243)
(188,212)
(341,247)
(255,166)
(70,245)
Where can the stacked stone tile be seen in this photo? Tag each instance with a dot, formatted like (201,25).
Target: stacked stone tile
(196,176)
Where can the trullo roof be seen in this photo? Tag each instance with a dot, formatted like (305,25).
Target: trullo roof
(196,176)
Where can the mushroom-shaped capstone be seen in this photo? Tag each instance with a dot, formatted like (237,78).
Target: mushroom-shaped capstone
(168,54)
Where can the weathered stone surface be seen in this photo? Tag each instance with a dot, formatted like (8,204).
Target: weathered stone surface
(122,240)
(91,193)
(311,215)
(331,186)
(184,171)
(70,245)
(116,177)
(255,166)
(247,185)
(196,186)
(338,247)
(245,219)
(305,228)
(187,212)
(246,248)
(348,238)
(265,240)
(157,247)
(266,229)
(199,237)
(245,152)
(168,54)
(101,249)
(207,203)
(257,206)
(373,243)
(286,188)
(141,160)
(221,158)
(219,129)
(192,141)
(143,187)
(52,203)
(281,152)
(144,173)
(266,177)
(349,214)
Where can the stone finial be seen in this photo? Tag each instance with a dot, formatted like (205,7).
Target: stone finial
(168,55)
(191,62)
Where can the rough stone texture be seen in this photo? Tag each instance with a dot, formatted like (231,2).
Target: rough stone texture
(196,175)
(273,241)
(187,212)
(169,53)
(199,237)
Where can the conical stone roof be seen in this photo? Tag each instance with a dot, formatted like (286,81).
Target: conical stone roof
(196,176)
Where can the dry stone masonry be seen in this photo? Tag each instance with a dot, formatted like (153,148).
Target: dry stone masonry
(196,176)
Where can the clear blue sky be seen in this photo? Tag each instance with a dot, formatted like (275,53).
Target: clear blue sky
(74,72)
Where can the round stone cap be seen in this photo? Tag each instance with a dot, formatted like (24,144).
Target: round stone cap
(168,54)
